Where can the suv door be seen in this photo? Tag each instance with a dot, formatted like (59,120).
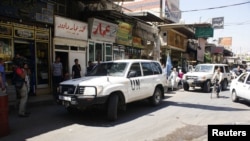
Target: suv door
(148,79)
(135,87)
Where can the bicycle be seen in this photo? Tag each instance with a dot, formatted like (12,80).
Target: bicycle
(214,89)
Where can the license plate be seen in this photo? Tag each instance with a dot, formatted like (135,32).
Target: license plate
(66,98)
(190,81)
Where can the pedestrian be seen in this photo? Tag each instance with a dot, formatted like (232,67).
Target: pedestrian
(57,72)
(180,75)
(173,77)
(76,70)
(238,71)
(90,66)
(21,84)
(2,76)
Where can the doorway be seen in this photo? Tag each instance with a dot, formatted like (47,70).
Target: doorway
(64,60)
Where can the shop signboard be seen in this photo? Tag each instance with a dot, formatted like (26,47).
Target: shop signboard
(137,42)
(204,32)
(124,34)
(171,10)
(201,49)
(225,41)
(218,23)
(215,50)
(24,33)
(68,28)
(102,30)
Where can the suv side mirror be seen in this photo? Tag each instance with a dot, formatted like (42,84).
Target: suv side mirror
(132,73)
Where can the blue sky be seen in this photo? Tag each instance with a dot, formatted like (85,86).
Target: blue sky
(232,16)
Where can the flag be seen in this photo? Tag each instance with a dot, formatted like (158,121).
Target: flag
(168,65)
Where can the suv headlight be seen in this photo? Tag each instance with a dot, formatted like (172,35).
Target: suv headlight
(91,91)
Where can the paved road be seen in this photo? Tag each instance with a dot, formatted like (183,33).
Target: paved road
(182,115)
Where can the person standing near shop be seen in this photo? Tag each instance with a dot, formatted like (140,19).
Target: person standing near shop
(90,66)
(76,70)
(57,72)
(22,87)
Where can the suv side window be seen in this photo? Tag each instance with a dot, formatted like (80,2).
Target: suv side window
(136,67)
(222,69)
(227,69)
(215,68)
(156,68)
(147,68)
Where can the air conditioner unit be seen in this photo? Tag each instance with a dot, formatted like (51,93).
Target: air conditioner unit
(163,38)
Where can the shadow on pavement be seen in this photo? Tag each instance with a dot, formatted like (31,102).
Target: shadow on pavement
(54,118)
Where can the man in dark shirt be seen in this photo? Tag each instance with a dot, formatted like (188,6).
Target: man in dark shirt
(76,70)
(238,71)
(90,66)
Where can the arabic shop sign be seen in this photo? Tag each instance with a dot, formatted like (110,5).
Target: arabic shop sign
(70,28)
(102,30)
(218,23)
(24,33)
(204,32)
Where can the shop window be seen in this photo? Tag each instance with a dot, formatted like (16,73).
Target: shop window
(61,47)
(91,52)
(6,55)
(73,48)
(98,52)
(42,64)
(108,54)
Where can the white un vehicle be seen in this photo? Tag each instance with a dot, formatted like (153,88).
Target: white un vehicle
(113,84)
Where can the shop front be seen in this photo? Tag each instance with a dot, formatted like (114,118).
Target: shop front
(33,44)
(145,40)
(176,47)
(102,36)
(70,43)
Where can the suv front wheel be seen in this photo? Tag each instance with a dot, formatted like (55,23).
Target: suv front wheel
(206,86)
(185,86)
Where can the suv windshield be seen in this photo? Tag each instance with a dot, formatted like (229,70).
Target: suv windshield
(203,68)
(110,69)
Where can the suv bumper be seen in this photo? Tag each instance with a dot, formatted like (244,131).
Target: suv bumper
(81,101)
(194,82)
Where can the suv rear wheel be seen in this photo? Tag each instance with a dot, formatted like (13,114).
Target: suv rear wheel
(157,97)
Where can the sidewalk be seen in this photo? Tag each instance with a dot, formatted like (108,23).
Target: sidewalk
(32,100)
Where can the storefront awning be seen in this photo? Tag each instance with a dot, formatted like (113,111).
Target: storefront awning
(147,16)
(186,29)
(227,52)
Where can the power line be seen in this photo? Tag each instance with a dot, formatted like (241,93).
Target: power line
(211,8)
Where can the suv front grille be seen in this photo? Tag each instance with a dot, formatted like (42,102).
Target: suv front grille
(68,89)
(192,77)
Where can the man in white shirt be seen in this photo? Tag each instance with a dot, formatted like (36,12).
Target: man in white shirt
(217,78)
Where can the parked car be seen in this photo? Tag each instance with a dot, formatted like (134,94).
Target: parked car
(240,87)
(113,84)
(202,76)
